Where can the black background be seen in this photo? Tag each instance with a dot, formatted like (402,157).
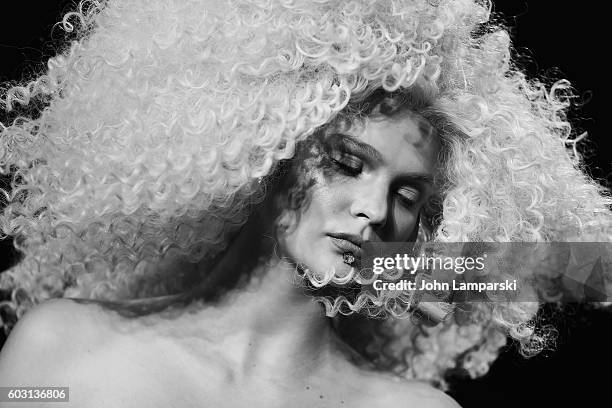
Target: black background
(558,42)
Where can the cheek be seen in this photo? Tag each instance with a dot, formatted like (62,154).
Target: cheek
(403,223)
(327,198)
(312,219)
(330,191)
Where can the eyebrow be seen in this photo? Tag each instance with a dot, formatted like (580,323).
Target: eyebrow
(416,178)
(363,149)
(370,153)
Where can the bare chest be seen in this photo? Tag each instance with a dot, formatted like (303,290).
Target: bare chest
(173,377)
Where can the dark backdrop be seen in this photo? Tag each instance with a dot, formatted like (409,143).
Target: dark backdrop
(556,42)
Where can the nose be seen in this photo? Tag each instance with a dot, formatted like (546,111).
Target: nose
(371,202)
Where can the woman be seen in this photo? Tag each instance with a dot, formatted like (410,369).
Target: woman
(214,161)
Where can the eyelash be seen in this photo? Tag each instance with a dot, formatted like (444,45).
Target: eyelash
(408,202)
(353,166)
(349,164)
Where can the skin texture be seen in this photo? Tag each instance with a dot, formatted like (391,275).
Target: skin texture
(374,195)
(240,351)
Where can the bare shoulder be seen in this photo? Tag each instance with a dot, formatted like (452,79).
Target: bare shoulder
(387,390)
(105,358)
(50,326)
(371,388)
(62,343)
(53,330)
(421,395)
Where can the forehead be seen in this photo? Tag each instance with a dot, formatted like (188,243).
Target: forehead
(407,141)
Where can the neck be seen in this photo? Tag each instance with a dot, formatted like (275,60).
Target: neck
(271,326)
(267,326)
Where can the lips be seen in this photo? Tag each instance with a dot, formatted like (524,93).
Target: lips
(347,243)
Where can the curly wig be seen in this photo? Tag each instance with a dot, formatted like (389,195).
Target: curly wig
(160,117)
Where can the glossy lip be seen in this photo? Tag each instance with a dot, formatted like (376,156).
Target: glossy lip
(347,243)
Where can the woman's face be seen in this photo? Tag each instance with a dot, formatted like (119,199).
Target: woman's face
(379,174)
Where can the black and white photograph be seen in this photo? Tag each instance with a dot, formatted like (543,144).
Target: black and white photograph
(304,203)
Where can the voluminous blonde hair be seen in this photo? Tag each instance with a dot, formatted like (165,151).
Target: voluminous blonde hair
(158,120)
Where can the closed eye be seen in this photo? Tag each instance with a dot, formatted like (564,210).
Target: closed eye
(348,163)
(408,196)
